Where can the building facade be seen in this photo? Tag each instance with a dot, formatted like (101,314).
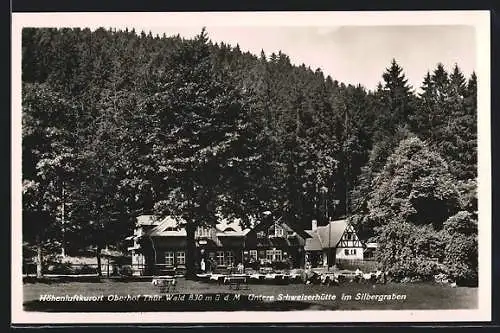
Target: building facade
(159,245)
(332,243)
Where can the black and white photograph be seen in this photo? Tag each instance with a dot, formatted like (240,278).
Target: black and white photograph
(251,167)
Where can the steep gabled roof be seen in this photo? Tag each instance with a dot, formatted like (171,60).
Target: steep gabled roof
(230,228)
(147,220)
(329,235)
(312,243)
(281,223)
(268,223)
(326,236)
(169,226)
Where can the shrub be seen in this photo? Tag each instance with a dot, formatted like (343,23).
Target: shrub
(266,263)
(61,268)
(363,265)
(411,251)
(463,275)
(86,269)
(253,264)
(122,260)
(461,251)
(126,271)
(463,222)
(461,260)
(341,278)
(280,265)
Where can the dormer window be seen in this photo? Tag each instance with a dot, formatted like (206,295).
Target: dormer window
(203,232)
(279,232)
(276,231)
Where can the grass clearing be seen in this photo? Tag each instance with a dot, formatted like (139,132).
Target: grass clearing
(423,296)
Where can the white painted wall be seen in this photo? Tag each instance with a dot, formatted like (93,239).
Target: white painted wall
(325,259)
(137,259)
(340,253)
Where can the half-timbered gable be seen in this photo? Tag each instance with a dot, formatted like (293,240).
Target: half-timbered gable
(349,246)
(350,238)
(335,241)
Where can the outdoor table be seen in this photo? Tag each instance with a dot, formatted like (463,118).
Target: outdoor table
(217,278)
(204,276)
(236,280)
(165,283)
(271,276)
(257,277)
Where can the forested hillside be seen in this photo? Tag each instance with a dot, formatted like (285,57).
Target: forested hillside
(120,123)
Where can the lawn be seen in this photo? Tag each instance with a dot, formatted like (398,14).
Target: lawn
(203,296)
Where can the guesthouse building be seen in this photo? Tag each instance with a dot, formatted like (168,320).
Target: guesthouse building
(332,243)
(160,244)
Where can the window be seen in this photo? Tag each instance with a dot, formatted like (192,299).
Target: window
(220,258)
(276,231)
(229,258)
(253,254)
(349,252)
(181,258)
(269,255)
(169,258)
(262,254)
(274,255)
(203,232)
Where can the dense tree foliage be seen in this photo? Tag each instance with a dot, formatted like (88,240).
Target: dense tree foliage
(120,123)
(416,212)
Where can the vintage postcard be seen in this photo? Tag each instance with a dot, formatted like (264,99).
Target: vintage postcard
(251,167)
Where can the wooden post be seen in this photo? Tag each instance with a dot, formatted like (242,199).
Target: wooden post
(98,255)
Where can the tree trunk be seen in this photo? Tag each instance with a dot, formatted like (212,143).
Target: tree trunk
(98,256)
(39,261)
(190,251)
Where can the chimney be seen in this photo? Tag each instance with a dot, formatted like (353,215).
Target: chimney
(314,225)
